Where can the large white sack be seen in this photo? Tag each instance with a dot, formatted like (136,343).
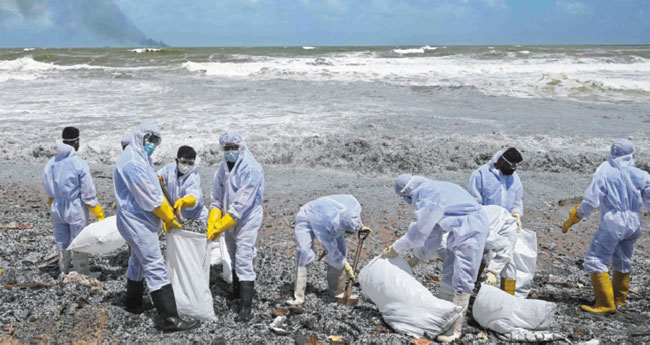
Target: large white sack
(220,256)
(98,238)
(503,313)
(406,305)
(525,256)
(188,266)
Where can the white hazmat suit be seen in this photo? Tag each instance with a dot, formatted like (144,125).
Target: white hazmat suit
(489,186)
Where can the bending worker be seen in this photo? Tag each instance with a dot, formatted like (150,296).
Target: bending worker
(182,181)
(497,183)
(141,207)
(71,193)
(330,219)
(444,206)
(620,190)
(499,248)
(237,195)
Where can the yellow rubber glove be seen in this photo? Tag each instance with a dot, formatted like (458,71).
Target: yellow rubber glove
(184,202)
(490,279)
(166,213)
(350,272)
(413,261)
(97,211)
(215,215)
(49,202)
(160,178)
(573,219)
(389,253)
(517,216)
(222,225)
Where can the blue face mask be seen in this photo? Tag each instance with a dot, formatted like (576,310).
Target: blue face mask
(408,200)
(231,156)
(149,148)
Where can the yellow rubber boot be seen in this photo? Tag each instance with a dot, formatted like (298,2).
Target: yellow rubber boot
(621,285)
(508,285)
(604,294)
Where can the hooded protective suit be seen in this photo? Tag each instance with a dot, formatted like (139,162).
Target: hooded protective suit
(67,179)
(489,186)
(445,206)
(137,194)
(620,190)
(239,192)
(327,218)
(184,185)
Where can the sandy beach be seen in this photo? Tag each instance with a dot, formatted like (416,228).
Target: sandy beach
(64,313)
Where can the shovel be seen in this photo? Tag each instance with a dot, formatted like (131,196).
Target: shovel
(171,202)
(363,234)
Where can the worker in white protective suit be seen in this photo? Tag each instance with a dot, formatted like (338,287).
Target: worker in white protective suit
(497,183)
(330,219)
(444,206)
(620,190)
(71,194)
(236,208)
(183,182)
(500,247)
(141,207)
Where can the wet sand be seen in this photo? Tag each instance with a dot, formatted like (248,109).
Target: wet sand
(69,313)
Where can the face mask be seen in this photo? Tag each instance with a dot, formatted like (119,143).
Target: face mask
(507,170)
(149,148)
(347,234)
(184,168)
(408,200)
(231,156)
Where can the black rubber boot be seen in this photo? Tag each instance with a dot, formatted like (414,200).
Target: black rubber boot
(247,290)
(235,285)
(165,304)
(133,300)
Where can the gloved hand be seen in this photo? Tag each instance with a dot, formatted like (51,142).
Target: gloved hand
(166,213)
(573,219)
(186,201)
(49,202)
(517,216)
(390,252)
(350,272)
(160,178)
(97,211)
(413,261)
(490,279)
(222,225)
(215,215)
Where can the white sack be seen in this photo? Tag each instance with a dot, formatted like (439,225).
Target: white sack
(406,305)
(503,313)
(188,265)
(525,257)
(98,238)
(220,256)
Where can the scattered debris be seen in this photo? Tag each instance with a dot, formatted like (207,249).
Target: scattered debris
(294,309)
(279,312)
(17,226)
(76,278)
(277,324)
(421,341)
(30,285)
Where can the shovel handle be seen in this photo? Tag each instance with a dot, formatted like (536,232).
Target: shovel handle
(363,234)
(170,201)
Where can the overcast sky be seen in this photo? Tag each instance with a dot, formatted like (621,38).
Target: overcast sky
(73,23)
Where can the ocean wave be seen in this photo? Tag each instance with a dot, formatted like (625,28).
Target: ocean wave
(308,48)
(145,50)
(572,78)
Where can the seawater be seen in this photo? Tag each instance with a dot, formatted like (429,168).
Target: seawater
(365,109)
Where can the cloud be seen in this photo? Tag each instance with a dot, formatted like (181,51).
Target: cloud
(575,8)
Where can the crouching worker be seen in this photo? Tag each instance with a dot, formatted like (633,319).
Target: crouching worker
(141,207)
(237,194)
(330,219)
(500,244)
(444,206)
(182,181)
(71,193)
(620,190)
